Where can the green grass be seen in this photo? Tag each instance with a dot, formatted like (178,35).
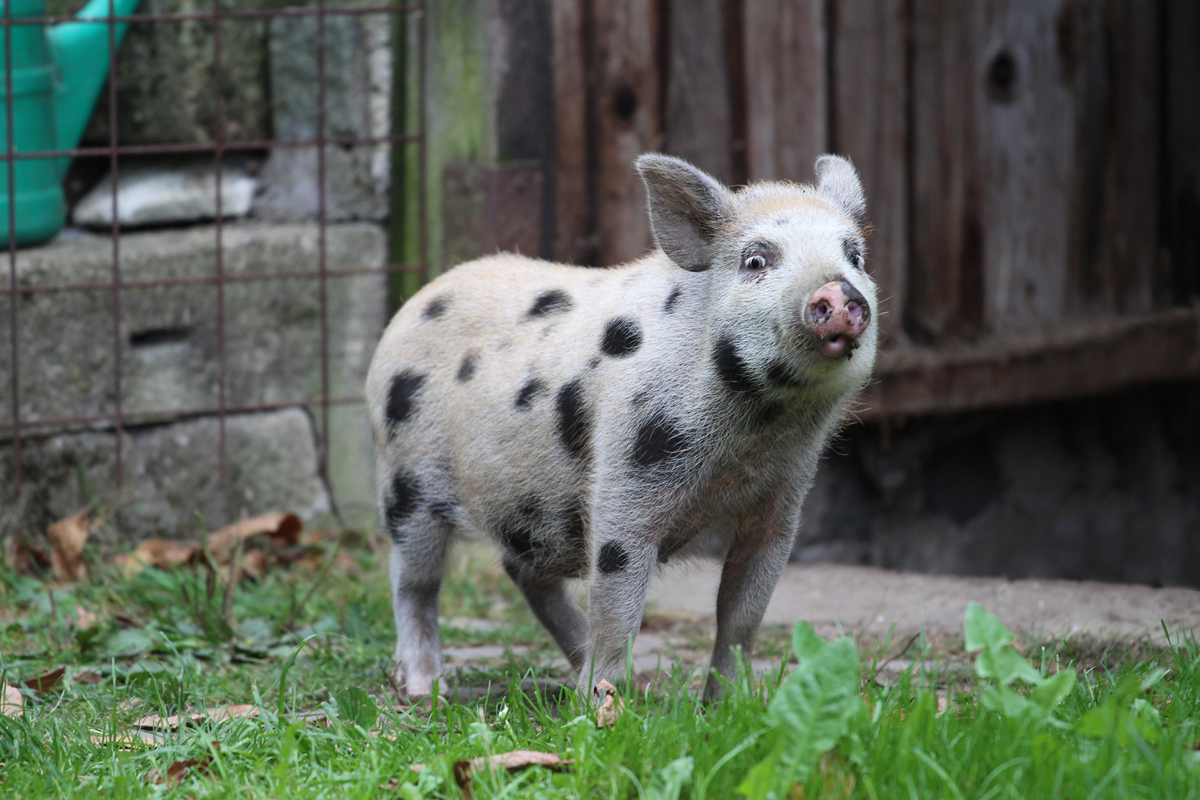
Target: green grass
(163,644)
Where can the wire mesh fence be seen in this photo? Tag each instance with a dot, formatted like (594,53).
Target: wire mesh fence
(195,299)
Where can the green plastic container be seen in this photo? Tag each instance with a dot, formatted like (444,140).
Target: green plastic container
(57,73)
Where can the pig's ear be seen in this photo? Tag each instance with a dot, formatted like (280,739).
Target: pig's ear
(687,209)
(837,180)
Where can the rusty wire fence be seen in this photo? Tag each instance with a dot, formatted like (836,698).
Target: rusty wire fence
(28,417)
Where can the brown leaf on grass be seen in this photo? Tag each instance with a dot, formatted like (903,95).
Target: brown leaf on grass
(84,619)
(179,770)
(47,681)
(283,529)
(91,677)
(254,564)
(611,706)
(513,761)
(158,553)
(12,704)
(175,721)
(67,537)
(23,557)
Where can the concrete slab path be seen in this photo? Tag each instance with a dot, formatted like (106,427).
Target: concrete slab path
(869,600)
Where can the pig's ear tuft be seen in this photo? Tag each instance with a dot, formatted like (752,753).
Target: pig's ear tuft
(838,181)
(688,207)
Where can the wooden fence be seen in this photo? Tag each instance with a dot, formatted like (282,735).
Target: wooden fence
(1032,167)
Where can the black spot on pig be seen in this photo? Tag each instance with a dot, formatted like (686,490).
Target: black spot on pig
(528,392)
(554,301)
(516,531)
(781,374)
(436,308)
(466,370)
(672,299)
(621,337)
(667,549)
(658,439)
(402,501)
(613,558)
(768,413)
(446,509)
(573,419)
(574,526)
(731,368)
(402,395)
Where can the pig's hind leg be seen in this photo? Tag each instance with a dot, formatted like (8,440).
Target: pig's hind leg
(554,607)
(420,533)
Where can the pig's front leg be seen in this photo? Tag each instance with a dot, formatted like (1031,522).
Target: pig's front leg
(620,576)
(760,548)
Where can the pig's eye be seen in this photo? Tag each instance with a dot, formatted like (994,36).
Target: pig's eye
(855,256)
(757,259)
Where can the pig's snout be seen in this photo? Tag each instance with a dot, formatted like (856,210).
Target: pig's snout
(838,313)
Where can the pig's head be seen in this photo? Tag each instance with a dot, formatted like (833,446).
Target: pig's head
(790,305)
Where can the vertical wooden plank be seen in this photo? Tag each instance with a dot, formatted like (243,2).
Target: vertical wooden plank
(945,289)
(870,101)
(698,108)
(1129,249)
(627,113)
(1114,54)
(572,237)
(1026,124)
(787,115)
(1181,195)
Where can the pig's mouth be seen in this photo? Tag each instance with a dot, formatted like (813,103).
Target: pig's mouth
(834,318)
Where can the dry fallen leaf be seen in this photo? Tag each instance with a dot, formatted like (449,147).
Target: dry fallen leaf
(84,619)
(47,681)
(12,704)
(284,529)
(158,553)
(513,761)
(174,721)
(180,769)
(611,706)
(67,537)
(90,677)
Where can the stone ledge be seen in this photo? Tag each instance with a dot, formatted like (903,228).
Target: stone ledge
(171,475)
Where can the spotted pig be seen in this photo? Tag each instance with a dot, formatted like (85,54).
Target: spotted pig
(595,422)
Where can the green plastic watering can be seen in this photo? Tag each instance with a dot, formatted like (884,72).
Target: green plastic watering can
(57,73)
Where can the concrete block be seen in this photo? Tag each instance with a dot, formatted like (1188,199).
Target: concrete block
(168,192)
(357,74)
(165,73)
(169,336)
(171,481)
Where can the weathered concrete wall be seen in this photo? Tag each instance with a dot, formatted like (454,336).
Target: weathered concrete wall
(171,475)
(170,345)
(1106,488)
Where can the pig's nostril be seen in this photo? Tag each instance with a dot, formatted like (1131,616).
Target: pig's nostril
(854,310)
(821,311)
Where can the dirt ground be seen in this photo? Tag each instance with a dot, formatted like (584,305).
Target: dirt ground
(869,601)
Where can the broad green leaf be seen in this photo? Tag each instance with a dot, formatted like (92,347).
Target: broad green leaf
(1007,702)
(983,629)
(809,713)
(763,776)
(806,642)
(1005,665)
(671,779)
(1053,690)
